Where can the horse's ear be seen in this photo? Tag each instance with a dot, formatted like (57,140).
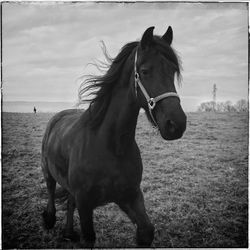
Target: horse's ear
(168,36)
(147,38)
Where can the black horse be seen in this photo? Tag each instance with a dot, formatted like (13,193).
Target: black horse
(94,155)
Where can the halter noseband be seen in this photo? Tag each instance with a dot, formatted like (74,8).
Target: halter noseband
(150,100)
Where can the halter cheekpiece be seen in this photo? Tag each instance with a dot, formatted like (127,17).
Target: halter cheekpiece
(152,101)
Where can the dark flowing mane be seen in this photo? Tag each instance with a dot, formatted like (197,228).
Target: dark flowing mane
(101,87)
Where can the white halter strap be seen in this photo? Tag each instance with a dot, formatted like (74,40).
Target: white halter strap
(151,101)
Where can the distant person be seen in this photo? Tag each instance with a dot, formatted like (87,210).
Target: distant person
(35,110)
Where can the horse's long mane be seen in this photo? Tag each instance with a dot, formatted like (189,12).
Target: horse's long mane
(101,87)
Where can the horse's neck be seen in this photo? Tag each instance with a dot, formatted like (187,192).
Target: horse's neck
(120,120)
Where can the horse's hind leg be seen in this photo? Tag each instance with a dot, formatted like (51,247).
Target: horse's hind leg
(68,232)
(49,217)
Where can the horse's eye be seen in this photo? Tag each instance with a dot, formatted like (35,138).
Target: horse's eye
(144,72)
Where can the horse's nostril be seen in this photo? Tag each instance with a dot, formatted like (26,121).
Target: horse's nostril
(171,126)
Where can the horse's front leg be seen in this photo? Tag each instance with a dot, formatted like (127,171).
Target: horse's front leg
(135,209)
(85,211)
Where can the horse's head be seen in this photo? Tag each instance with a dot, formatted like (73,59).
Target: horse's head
(155,68)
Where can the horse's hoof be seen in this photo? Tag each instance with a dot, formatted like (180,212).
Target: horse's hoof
(49,220)
(87,244)
(145,236)
(88,239)
(72,236)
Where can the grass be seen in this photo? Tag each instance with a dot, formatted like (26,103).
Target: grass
(195,189)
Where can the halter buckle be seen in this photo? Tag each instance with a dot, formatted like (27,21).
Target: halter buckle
(151,103)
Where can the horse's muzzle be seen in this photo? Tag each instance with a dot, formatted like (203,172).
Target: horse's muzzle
(174,130)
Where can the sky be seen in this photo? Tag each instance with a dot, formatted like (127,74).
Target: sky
(46,47)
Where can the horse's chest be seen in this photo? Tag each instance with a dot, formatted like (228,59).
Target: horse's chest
(114,183)
(112,189)
(106,178)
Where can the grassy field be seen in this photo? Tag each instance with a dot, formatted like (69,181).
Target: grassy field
(195,189)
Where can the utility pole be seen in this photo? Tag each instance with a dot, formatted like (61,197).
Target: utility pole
(214,96)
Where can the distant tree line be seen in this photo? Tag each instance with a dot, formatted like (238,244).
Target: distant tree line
(240,106)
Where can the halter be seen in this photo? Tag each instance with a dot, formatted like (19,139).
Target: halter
(150,100)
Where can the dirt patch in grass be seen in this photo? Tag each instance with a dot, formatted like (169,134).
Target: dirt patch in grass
(196,188)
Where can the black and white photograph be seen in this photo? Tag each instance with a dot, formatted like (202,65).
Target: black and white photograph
(124,124)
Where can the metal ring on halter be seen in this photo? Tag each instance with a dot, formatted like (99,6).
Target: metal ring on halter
(151,103)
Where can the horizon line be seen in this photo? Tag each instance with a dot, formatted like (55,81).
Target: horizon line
(41,101)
